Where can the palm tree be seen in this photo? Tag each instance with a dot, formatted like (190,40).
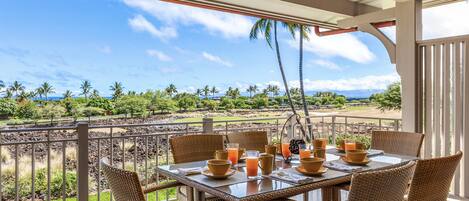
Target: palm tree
(40,92)
(118,90)
(95,94)
(2,85)
(275,90)
(206,91)
(252,89)
(264,26)
(229,91)
(304,31)
(16,87)
(85,88)
(171,90)
(8,93)
(68,94)
(198,92)
(45,89)
(24,95)
(214,90)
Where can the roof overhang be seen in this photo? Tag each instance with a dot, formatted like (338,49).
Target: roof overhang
(323,13)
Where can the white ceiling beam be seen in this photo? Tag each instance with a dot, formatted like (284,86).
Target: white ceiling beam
(343,7)
(379,16)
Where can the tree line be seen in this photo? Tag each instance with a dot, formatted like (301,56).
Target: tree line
(18,102)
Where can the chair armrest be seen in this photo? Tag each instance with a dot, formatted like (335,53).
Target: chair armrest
(156,187)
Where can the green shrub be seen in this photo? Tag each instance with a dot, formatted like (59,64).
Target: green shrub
(102,103)
(131,105)
(7,107)
(27,110)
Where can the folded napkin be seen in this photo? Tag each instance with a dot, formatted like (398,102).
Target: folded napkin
(290,175)
(335,165)
(190,171)
(374,152)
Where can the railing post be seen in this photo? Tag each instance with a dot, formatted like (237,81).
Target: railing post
(333,130)
(207,125)
(396,125)
(82,129)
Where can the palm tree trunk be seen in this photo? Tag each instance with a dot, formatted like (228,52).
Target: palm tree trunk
(285,84)
(302,90)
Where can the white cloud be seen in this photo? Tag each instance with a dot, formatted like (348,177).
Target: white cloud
(159,55)
(441,21)
(343,45)
(362,83)
(216,59)
(140,24)
(324,64)
(105,49)
(448,20)
(216,23)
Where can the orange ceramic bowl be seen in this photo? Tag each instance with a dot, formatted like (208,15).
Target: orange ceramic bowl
(356,155)
(312,164)
(218,166)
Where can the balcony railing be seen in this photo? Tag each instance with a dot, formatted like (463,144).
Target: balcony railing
(61,162)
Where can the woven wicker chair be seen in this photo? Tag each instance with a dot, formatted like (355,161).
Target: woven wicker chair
(191,148)
(126,186)
(432,178)
(250,140)
(383,185)
(395,142)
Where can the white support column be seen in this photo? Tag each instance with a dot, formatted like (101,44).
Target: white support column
(408,31)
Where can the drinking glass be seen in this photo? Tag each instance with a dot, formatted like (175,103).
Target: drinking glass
(252,161)
(232,149)
(350,145)
(286,150)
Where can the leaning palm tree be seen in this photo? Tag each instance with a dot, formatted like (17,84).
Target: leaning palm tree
(117,90)
(304,31)
(68,94)
(214,90)
(265,26)
(16,88)
(85,88)
(8,93)
(45,89)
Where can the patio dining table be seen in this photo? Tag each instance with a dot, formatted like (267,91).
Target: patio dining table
(241,188)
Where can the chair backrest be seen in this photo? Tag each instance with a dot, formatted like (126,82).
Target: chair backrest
(124,185)
(251,140)
(396,142)
(384,185)
(432,178)
(190,148)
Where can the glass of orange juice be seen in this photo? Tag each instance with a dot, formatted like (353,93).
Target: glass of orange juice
(252,161)
(350,145)
(286,153)
(305,152)
(232,149)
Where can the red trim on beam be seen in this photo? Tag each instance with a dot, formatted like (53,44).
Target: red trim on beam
(341,31)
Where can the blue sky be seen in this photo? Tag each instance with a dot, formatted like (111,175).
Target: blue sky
(148,44)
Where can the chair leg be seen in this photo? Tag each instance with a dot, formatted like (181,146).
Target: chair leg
(326,194)
(189,193)
(336,194)
(199,195)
